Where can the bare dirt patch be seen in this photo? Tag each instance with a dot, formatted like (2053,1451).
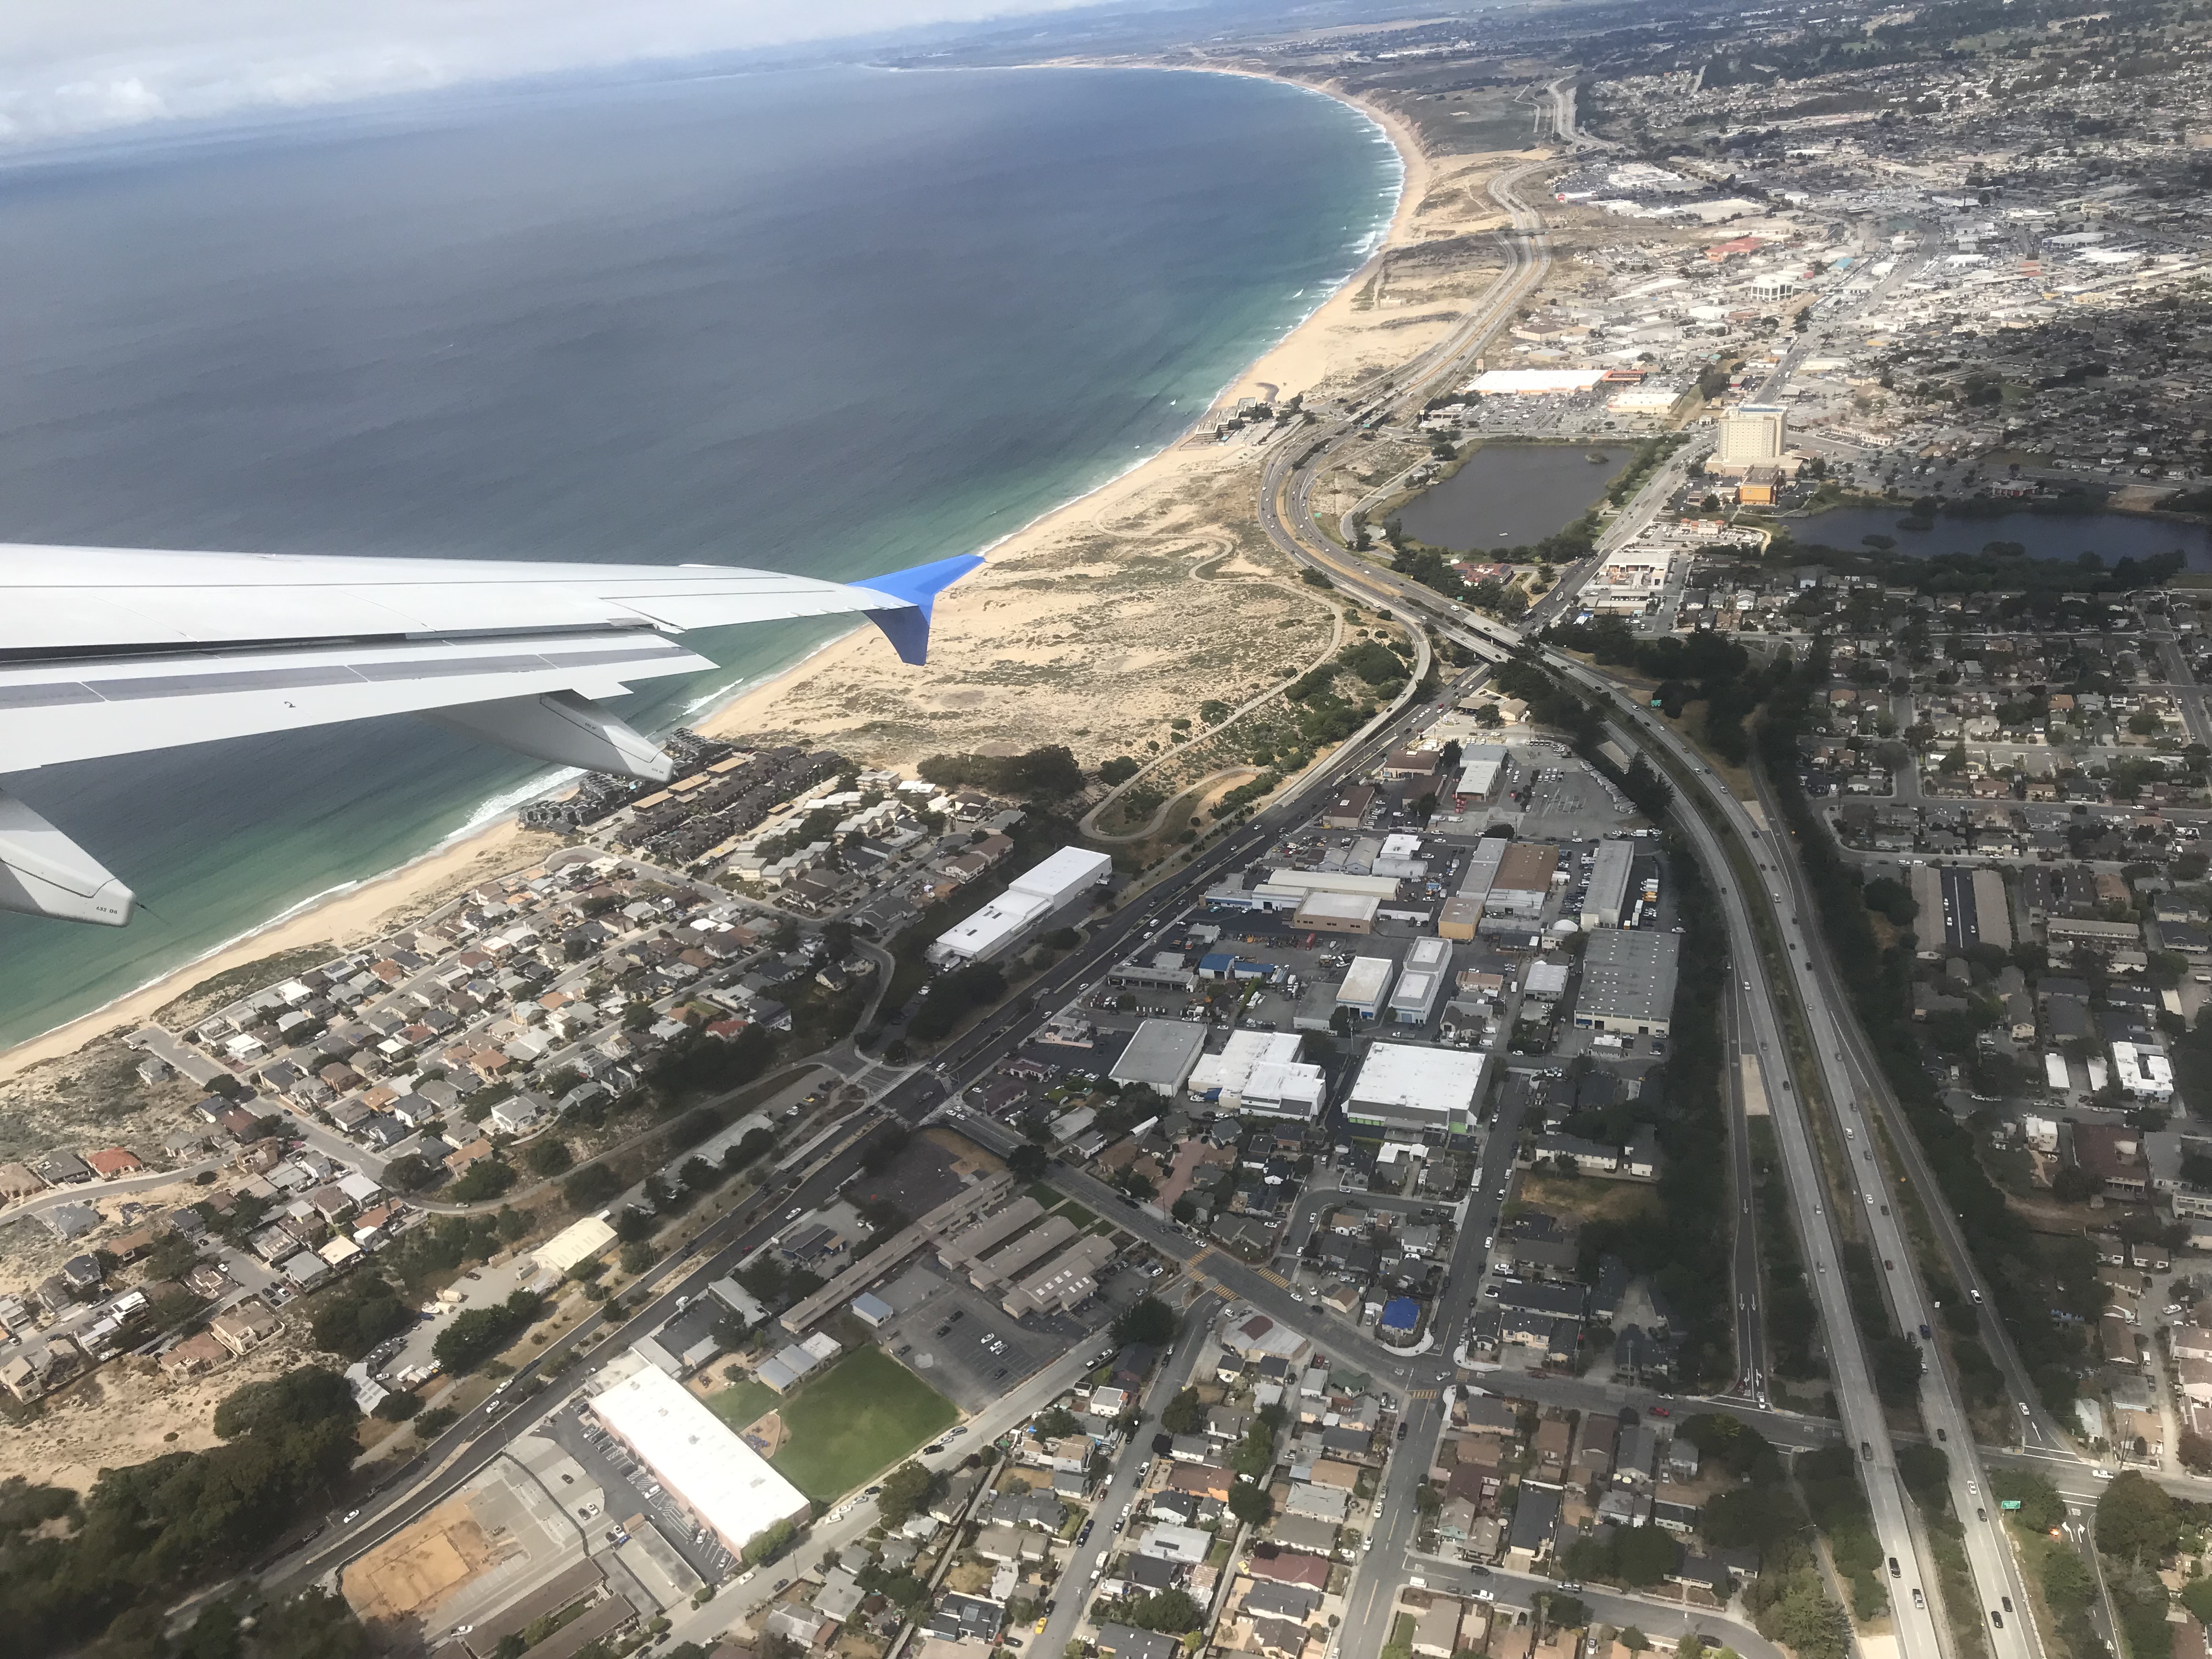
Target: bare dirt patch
(410,1574)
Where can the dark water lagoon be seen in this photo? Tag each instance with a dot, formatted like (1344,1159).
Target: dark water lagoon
(1513,496)
(2111,536)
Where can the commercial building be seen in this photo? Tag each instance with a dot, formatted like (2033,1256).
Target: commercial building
(1606,896)
(1338,913)
(1484,769)
(1366,987)
(1259,1072)
(1421,982)
(1522,882)
(1751,434)
(1628,982)
(1160,1056)
(1032,902)
(1534,382)
(721,1482)
(576,1243)
(1402,1087)
(2142,1072)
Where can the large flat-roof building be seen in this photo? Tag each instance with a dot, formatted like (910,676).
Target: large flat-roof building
(1421,982)
(1366,987)
(1030,901)
(1752,434)
(1628,982)
(1259,1072)
(721,1482)
(1523,881)
(1404,1087)
(1606,896)
(1160,1056)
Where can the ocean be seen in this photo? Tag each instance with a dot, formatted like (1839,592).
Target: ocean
(833,322)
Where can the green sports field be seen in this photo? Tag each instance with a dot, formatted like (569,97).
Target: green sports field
(862,1414)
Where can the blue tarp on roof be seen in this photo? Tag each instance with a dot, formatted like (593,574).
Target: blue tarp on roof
(1401,1313)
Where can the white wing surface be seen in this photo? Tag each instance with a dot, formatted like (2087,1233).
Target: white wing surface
(111,651)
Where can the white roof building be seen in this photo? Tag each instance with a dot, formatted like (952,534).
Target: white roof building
(577,1243)
(1366,986)
(1403,1086)
(2142,1072)
(1259,1071)
(1031,897)
(724,1483)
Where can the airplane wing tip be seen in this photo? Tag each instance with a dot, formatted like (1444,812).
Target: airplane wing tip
(905,623)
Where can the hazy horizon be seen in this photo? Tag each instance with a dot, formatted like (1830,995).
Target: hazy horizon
(67,70)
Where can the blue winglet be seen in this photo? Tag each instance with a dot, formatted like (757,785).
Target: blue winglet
(907,626)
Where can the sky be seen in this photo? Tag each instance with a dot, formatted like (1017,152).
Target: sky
(70,67)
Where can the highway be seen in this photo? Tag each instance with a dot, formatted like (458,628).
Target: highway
(1756,1016)
(1849,1080)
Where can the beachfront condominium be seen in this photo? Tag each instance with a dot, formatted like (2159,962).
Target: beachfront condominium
(1752,434)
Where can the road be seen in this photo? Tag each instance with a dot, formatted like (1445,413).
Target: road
(1746,1091)
(1843,1061)
(1119,1497)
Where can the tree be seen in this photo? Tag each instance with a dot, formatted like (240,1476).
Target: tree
(398,1406)
(1897,1364)
(1183,1415)
(353,1317)
(1027,1161)
(479,1333)
(1148,1322)
(636,1256)
(756,1143)
(410,1172)
(1645,1555)
(310,1395)
(2195,1452)
(906,1489)
(429,1425)
(1184,1209)
(549,1155)
(1251,1504)
(2136,1520)
(1628,1636)
(485,1178)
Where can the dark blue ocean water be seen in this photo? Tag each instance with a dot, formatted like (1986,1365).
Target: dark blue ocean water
(833,322)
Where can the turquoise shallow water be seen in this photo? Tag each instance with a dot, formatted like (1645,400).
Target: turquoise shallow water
(835,322)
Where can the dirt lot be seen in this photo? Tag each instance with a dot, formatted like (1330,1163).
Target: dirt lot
(128,1412)
(420,1567)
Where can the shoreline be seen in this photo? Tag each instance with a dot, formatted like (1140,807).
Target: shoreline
(352,911)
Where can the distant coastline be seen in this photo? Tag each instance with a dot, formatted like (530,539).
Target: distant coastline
(359,909)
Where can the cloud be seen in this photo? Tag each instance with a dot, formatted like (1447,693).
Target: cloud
(79,66)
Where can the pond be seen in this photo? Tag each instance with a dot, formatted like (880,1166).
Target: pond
(2112,535)
(1513,496)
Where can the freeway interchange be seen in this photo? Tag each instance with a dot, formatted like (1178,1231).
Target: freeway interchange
(1784,985)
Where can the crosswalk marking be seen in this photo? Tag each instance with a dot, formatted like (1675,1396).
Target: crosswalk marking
(1420,1393)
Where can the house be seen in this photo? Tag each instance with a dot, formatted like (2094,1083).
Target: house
(192,1356)
(112,1163)
(244,1327)
(1535,1520)
(1283,1566)
(1435,1632)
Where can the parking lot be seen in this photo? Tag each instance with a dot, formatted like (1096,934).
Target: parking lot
(1575,804)
(627,1488)
(968,1348)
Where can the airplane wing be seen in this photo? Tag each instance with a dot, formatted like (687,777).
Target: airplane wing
(112,650)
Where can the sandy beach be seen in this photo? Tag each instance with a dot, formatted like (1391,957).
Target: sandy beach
(1096,625)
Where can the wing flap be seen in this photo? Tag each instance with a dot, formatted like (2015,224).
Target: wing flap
(81,710)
